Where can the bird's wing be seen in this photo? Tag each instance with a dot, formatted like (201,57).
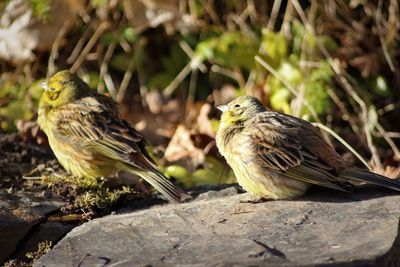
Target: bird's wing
(293,148)
(93,122)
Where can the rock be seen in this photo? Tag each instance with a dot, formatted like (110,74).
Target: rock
(325,228)
(12,230)
(22,222)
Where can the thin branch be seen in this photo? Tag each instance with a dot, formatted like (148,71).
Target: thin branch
(178,79)
(104,65)
(125,81)
(244,27)
(51,69)
(378,18)
(192,90)
(389,140)
(96,35)
(346,114)
(274,14)
(110,85)
(79,46)
(195,63)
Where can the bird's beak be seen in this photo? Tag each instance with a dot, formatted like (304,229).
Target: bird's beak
(223,108)
(44,86)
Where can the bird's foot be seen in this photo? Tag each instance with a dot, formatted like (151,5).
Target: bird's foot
(253,200)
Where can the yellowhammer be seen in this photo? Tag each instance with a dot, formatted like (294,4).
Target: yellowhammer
(277,156)
(88,137)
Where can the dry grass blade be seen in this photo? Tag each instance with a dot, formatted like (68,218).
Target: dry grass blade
(51,69)
(274,14)
(345,84)
(178,79)
(288,86)
(97,34)
(341,140)
(125,80)
(104,67)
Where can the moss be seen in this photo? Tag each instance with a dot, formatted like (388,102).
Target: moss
(96,196)
(42,248)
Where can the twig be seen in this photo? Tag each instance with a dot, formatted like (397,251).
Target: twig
(54,48)
(195,63)
(274,14)
(341,140)
(178,79)
(104,65)
(125,81)
(110,85)
(192,89)
(244,27)
(32,177)
(346,114)
(234,75)
(250,81)
(391,134)
(251,9)
(78,47)
(389,140)
(288,13)
(345,84)
(140,74)
(96,35)
(388,108)
(209,9)
(385,50)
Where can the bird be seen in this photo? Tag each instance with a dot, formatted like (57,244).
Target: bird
(278,156)
(89,138)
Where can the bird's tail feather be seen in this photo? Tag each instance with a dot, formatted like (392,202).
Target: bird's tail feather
(370,177)
(164,186)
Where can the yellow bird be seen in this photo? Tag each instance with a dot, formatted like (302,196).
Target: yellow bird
(90,140)
(277,156)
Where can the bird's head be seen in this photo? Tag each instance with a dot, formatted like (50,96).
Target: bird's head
(240,110)
(62,88)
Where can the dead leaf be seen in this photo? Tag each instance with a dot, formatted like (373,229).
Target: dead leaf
(144,14)
(182,151)
(16,41)
(21,33)
(204,125)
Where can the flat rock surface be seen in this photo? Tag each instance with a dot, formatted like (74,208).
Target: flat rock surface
(324,228)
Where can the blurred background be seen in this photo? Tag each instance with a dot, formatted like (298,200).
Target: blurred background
(168,63)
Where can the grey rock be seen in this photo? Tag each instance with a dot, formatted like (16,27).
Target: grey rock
(12,230)
(22,214)
(325,228)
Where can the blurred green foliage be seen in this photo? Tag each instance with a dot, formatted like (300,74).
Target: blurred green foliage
(214,173)
(228,49)
(20,101)
(41,9)
(299,65)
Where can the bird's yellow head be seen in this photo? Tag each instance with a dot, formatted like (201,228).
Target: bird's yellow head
(240,110)
(61,88)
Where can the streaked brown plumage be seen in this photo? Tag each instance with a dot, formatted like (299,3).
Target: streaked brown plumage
(277,156)
(88,137)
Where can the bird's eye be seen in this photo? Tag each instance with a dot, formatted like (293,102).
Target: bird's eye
(52,89)
(236,106)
